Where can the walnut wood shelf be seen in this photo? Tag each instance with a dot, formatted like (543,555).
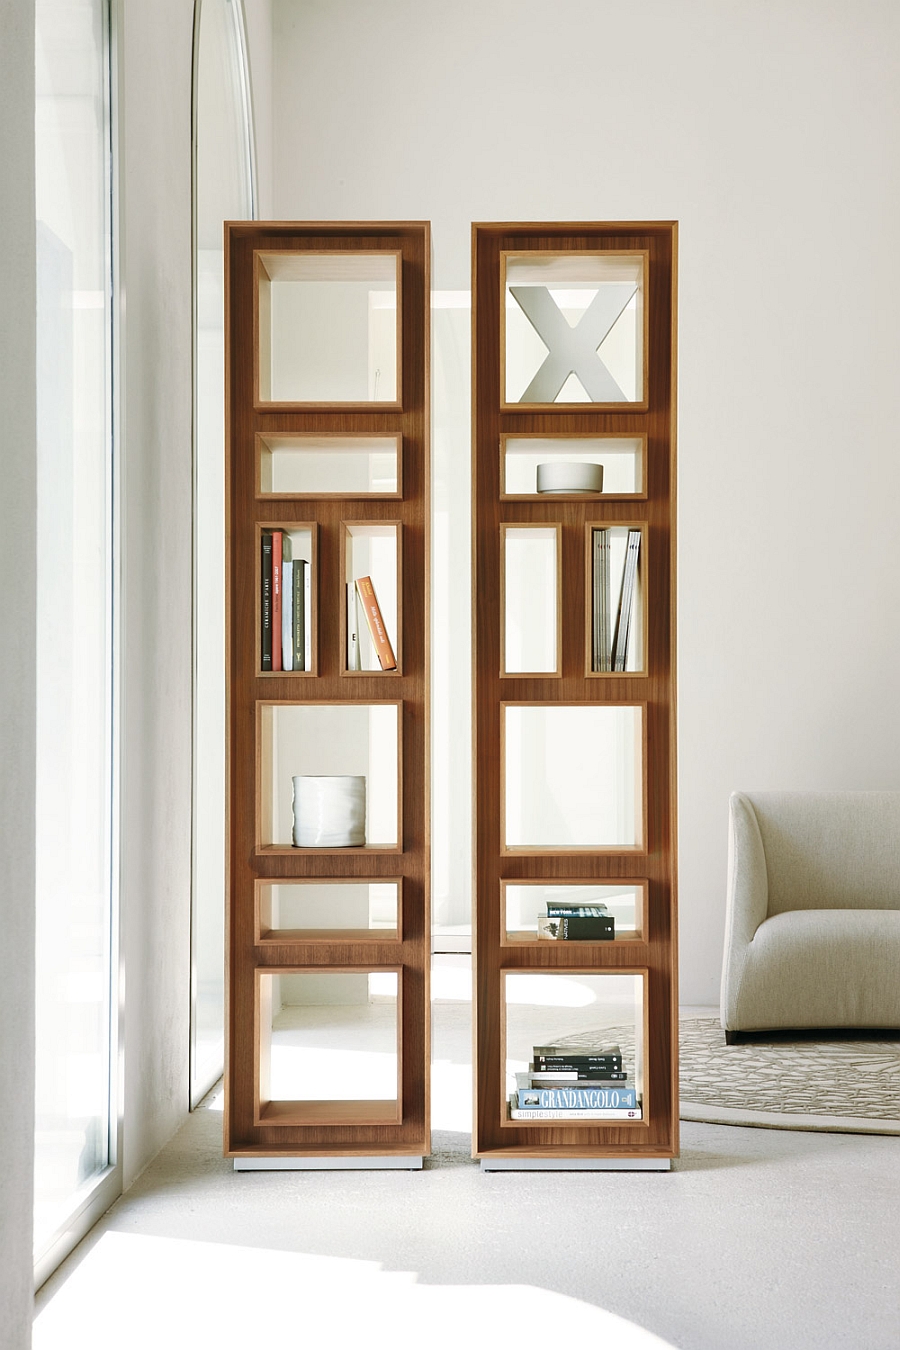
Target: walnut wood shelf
(649,953)
(256,1127)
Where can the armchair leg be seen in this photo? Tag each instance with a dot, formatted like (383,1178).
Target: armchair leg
(733,1037)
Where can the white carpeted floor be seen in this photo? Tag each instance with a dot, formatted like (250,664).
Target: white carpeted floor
(757,1240)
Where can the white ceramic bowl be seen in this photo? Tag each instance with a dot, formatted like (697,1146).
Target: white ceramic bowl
(563,476)
(329,812)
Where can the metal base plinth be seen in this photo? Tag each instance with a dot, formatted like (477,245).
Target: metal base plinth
(282,1164)
(576,1164)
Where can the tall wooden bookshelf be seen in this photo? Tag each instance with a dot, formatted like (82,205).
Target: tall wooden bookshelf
(574,763)
(327,436)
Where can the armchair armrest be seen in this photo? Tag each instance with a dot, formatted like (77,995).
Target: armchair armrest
(747,899)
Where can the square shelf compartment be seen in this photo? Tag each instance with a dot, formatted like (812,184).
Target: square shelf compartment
(329,466)
(328,910)
(529,908)
(372,550)
(622,459)
(616,620)
(591,1022)
(573,777)
(329,741)
(574,328)
(530,582)
(328,1046)
(292,642)
(328,330)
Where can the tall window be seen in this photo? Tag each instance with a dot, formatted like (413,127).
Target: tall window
(74,1143)
(223,190)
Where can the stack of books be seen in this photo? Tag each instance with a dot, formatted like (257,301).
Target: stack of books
(574,1083)
(285,608)
(571,921)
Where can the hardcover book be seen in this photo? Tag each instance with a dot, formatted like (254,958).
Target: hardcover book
(287,604)
(596,1113)
(372,611)
(626,600)
(266,602)
(558,1077)
(277,541)
(576,1098)
(299,568)
(575,928)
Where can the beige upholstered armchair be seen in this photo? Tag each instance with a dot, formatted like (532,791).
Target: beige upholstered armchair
(812,935)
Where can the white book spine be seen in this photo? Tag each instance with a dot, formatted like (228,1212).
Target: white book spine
(287,615)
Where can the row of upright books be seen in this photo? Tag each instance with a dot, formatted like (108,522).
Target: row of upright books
(286,637)
(566,1082)
(613,623)
(569,921)
(286,613)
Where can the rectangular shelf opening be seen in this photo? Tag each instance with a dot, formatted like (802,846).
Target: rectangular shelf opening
(573,777)
(537,467)
(617,614)
(372,589)
(530,599)
(329,466)
(349,755)
(575,1048)
(573,912)
(328,327)
(328,1046)
(328,910)
(574,327)
(287,599)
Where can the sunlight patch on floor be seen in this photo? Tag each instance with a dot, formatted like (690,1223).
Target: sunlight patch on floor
(146,1292)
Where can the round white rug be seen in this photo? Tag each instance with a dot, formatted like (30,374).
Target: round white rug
(839,1085)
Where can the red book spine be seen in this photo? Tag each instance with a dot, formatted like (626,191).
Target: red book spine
(277,577)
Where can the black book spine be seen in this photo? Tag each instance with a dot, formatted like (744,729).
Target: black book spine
(576,1063)
(266,607)
(576,929)
(299,634)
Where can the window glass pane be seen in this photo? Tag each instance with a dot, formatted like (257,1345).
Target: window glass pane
(222,191)
(73,751)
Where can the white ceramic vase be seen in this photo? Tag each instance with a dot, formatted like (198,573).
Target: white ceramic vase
(329,812)
(567,476)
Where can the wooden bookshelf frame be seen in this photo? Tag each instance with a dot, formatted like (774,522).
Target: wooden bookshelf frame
(254,1130)
(652,867)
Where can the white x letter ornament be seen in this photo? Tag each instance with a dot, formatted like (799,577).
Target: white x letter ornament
(572,351)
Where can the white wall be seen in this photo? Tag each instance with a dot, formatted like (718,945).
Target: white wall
(17,658)
(156,180)
(769,131)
